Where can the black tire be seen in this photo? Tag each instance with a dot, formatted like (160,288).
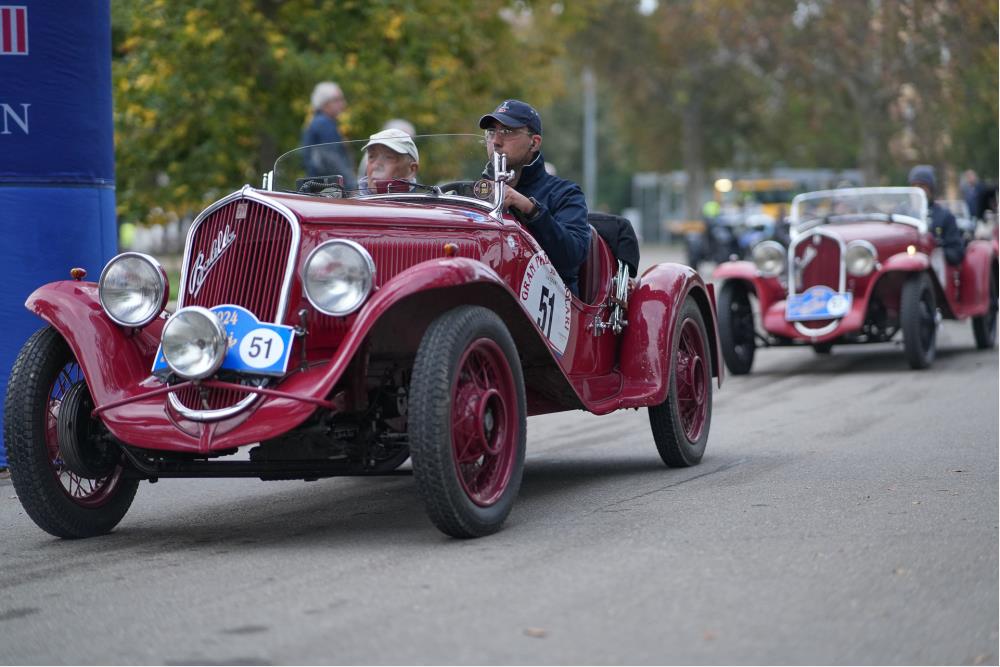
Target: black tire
(60,502)
(822,348)
(984,327)
(448,411)
(918,309)
(736,327)
(681,423)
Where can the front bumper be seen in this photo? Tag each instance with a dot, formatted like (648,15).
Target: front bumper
(774,323)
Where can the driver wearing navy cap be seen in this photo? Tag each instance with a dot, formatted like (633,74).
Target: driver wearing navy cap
(943,225)
(552,209)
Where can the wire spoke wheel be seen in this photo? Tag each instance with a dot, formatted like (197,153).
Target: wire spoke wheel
(60,501)
(84,491)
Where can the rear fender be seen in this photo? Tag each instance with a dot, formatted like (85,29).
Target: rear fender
(978,267)
(652,316)
(113,358)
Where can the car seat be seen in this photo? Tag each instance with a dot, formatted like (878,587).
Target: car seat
(595,271)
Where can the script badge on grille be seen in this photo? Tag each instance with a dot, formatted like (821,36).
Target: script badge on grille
(220,244)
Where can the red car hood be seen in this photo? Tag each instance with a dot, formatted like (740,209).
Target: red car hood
(879,234)
(321,210)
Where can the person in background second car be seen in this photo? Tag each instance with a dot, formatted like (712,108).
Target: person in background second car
(943,224)
(553,209)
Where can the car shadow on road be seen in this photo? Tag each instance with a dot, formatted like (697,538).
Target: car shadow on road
(339,514)
(545,478)
(861,360)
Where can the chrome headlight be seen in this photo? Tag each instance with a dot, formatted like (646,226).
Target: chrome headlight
(194,342)
(860,258)
(133,289)
(769,257)
(338,276)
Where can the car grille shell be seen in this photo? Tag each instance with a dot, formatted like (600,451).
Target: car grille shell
(250,270)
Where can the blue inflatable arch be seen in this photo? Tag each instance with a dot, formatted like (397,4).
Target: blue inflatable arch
(57,172)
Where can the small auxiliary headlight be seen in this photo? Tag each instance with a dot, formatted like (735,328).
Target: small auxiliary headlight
(860,258)
(133,289)
(338,276)
(769,258)
(194,342)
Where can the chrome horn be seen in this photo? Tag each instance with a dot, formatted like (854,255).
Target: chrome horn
(501,176)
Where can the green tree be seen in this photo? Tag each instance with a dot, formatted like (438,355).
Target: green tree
(209,92)
(752,84)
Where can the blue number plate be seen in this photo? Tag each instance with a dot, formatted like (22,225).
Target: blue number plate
(255,347)
(818,303)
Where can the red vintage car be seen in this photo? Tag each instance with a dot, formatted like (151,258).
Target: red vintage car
(861,267)
(340,332)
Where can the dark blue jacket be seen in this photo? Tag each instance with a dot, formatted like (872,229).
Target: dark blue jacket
(327,160)
(946,233)
(560,224)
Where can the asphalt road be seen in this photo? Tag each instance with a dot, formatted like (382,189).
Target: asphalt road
(845,512)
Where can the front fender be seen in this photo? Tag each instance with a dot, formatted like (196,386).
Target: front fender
(652,317)
(903,261)
(427,277)
(113,358)
(742,270)
(145,423)
(767,288)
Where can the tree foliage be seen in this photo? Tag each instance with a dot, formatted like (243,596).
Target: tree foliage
(752,84)
(209,92)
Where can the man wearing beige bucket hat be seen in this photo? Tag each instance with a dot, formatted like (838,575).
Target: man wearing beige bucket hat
(393,161)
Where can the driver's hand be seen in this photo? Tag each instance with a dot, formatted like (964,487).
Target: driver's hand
(513,199)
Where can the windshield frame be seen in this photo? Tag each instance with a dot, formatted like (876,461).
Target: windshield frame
(846,193)
(422,196)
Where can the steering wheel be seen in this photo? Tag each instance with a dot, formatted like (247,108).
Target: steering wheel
(463,188)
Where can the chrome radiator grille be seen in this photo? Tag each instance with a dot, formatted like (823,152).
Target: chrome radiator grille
(819,262)
(238,254)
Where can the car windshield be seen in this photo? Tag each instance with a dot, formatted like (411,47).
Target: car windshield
(908,205)
(445,164)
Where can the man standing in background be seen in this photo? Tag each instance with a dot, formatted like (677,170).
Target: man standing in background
(327,104)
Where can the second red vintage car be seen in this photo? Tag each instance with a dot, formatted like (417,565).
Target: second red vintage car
(340,332)
(862,267)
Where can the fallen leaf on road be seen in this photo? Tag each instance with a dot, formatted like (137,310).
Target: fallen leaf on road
(709,635)
(538,633)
